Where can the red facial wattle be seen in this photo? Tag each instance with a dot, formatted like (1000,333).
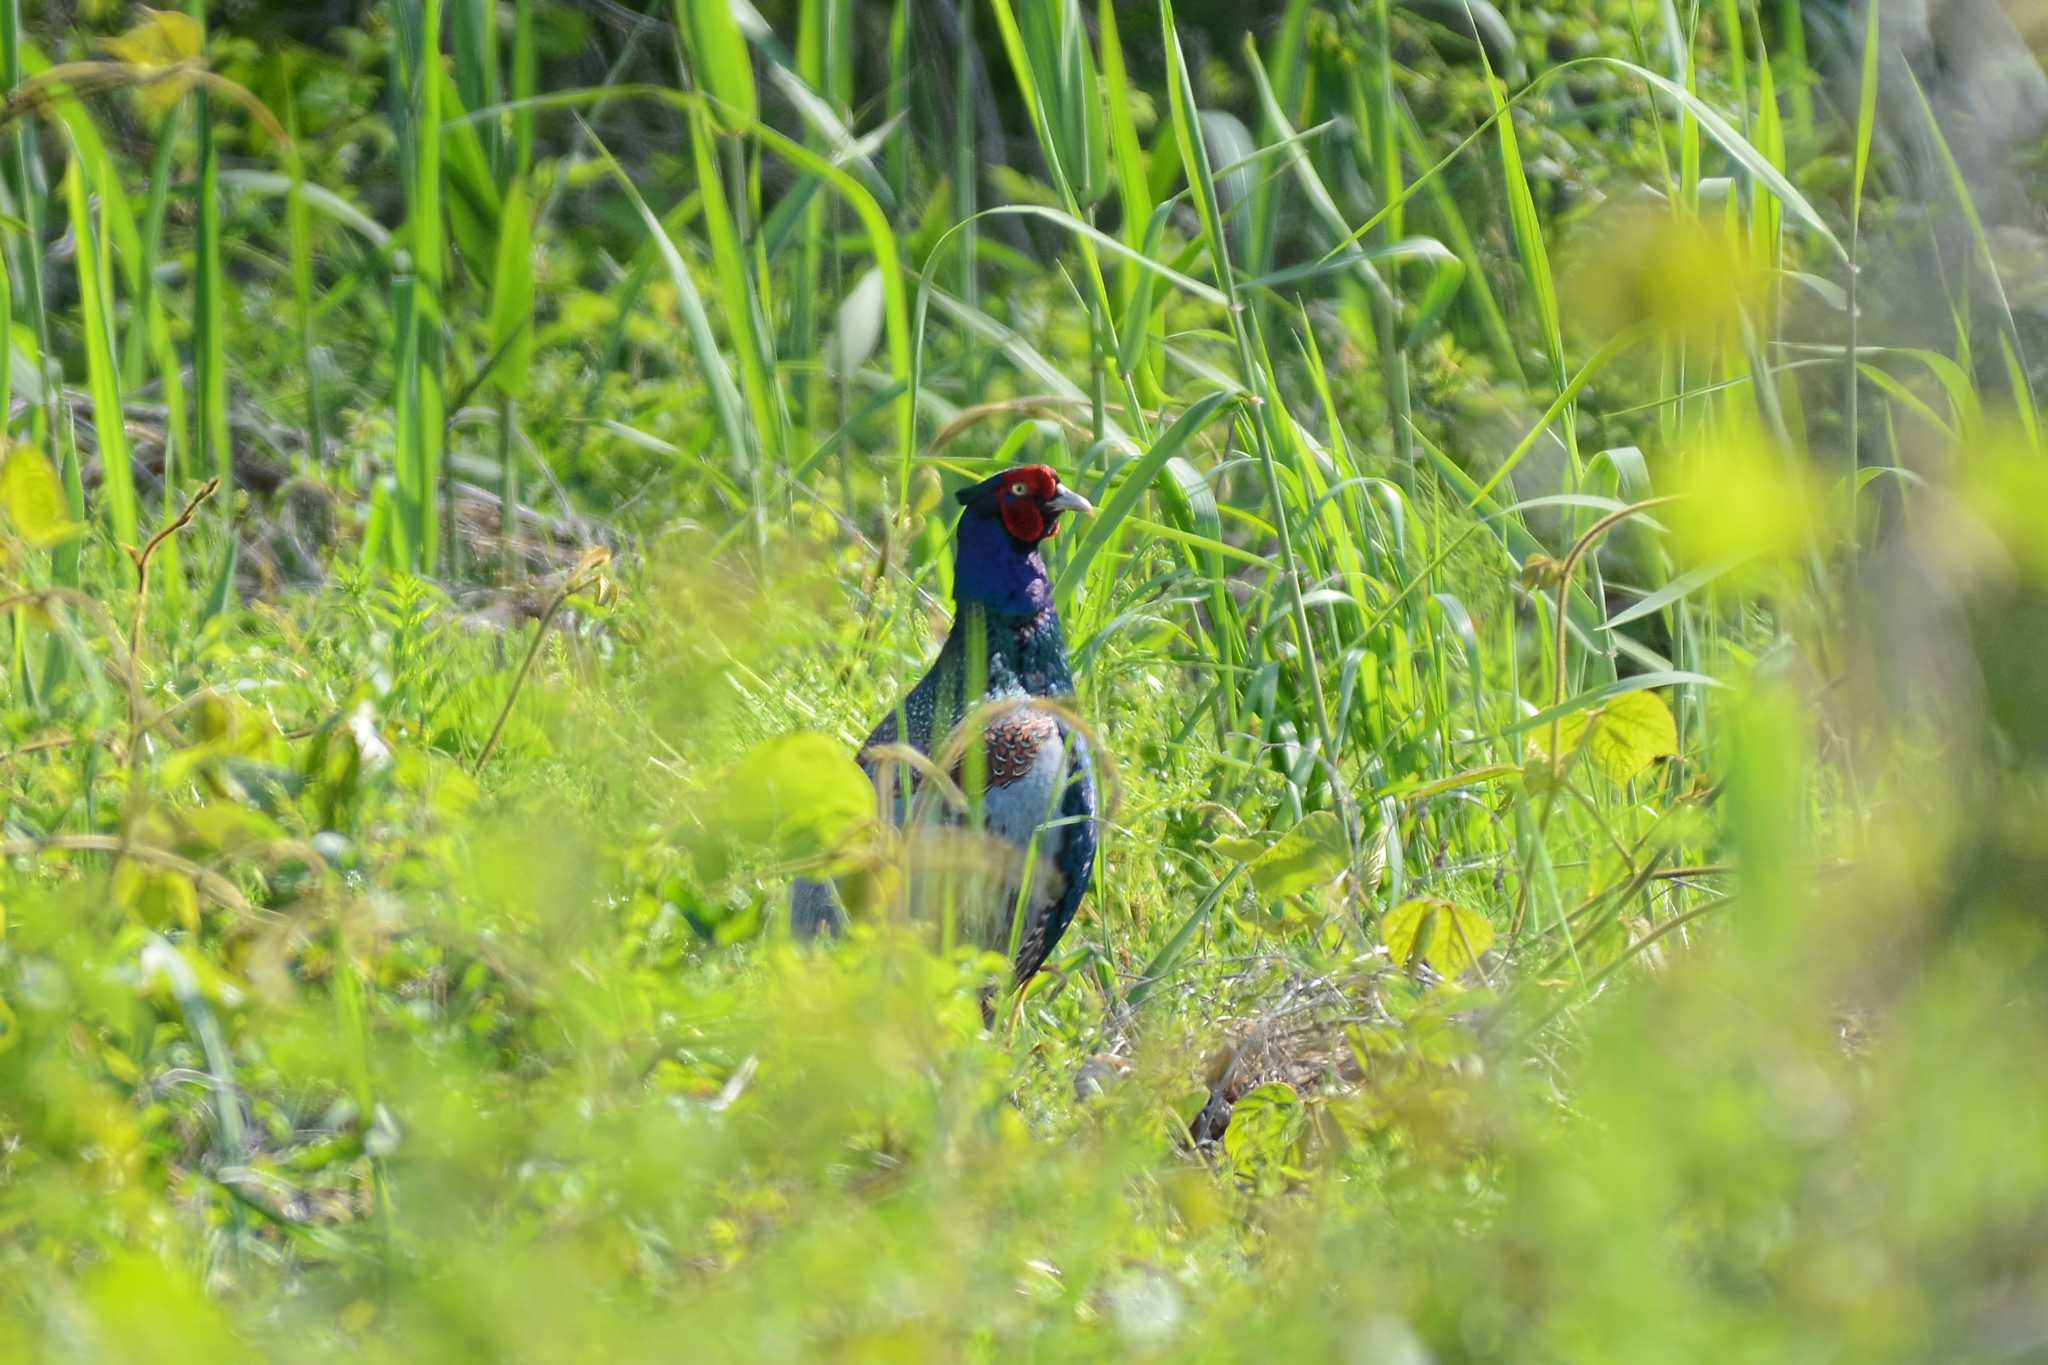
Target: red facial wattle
(1023,519)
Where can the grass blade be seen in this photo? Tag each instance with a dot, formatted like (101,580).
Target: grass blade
(1107,524)
(117,477)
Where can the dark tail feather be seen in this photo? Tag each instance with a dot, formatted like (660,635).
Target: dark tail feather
(814,908)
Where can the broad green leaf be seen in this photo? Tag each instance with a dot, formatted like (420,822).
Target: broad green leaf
(164,39)
(1415,789)
(883,243)
(1055,68)
(1866,110)
(802,796)
(229,827)
(1629,734)
(1528,236)
(1265,1128)
(719,59)
(1122,130)
(1312,853)
(33,496)
(469,187)
(161,900)
(1241,849)
(1448,937)
(512,295)
(1080,73)
(103,377)
(1188,141)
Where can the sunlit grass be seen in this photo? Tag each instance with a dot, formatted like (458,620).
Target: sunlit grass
(1567,674)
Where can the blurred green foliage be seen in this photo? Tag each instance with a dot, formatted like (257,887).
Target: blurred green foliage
(1563,634)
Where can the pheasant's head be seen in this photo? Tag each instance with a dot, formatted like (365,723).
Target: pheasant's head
(1027,501)
(1007,518)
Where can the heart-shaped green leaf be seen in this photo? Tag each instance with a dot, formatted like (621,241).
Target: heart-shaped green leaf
(1625,736)
(1429,929)
(801,797)
(1311,854)
(1265,1129)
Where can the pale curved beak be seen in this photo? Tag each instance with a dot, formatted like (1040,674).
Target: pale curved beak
(1067,500)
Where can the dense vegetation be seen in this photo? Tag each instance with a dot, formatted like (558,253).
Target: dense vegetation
(1561,630)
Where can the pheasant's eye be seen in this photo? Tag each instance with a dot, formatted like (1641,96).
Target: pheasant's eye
(1019,490)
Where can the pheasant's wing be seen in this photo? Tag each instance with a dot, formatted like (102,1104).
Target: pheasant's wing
(910,724)
(1075,859)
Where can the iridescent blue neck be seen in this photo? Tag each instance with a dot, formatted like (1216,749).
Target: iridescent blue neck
(995,571)
(1004,601)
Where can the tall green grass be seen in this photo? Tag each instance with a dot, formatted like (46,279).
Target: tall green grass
(1557,801)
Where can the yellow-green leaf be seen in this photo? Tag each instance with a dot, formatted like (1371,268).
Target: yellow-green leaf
(163,38)
(1429,929)
(119,1064)
(1265,1128)
(1238,849)
(1069,91)
(1629,734)
(801,796)
(1312,853)
(512,295)
(34,499)
(719,59)
(1741,502)
(227,827)
(161,900)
